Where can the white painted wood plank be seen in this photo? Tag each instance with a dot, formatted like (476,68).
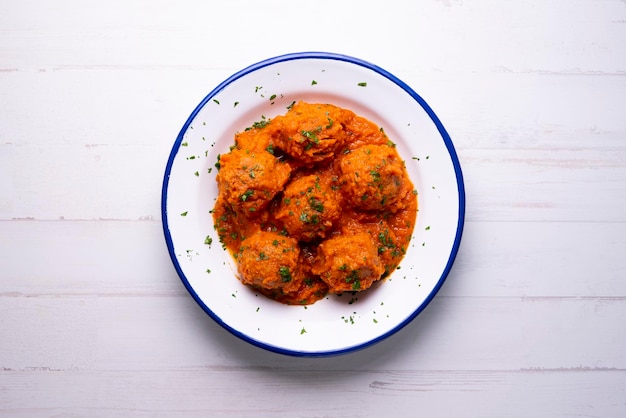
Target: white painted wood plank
(100,181)
(501,185)
(496,259)
(310,393)
(524,162)
(540,259)
(121,107)
(160,333)
(66,258)
(450,36)
(542,185)
(527,110)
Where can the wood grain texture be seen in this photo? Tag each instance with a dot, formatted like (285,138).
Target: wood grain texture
(225,393)
(496,259)
(84,333)
(520,162)
(94,320)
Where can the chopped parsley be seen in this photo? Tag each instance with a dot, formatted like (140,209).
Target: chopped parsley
(316,204)
(217,164)
(312,137)
(244,197)
(307,219)
(261,124)
(284,273)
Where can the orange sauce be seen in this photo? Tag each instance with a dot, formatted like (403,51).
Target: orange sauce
(313,202)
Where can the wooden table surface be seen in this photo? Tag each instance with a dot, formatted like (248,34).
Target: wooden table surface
(94,321)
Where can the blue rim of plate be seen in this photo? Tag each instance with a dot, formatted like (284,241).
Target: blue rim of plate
(444,135)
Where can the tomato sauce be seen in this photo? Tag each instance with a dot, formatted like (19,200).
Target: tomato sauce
(312,202)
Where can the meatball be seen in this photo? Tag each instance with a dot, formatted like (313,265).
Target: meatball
(373,177)
(249,180)
(390,241)
(312,133)
(310,290)
(227,224)
(390,249)
(348,262)
(268,260)
(310,287)
(260,136)
(310,205)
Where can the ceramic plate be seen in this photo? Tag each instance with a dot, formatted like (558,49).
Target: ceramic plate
(335,324)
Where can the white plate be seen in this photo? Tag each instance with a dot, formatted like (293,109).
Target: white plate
(335,324)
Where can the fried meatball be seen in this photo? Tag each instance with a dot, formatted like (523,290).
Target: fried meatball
(260,136)
(373,177)
(312,133)
(227,224)
(348,262)
(269,260)
(249,180)
(310,290)
(390,249)
(310,205)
